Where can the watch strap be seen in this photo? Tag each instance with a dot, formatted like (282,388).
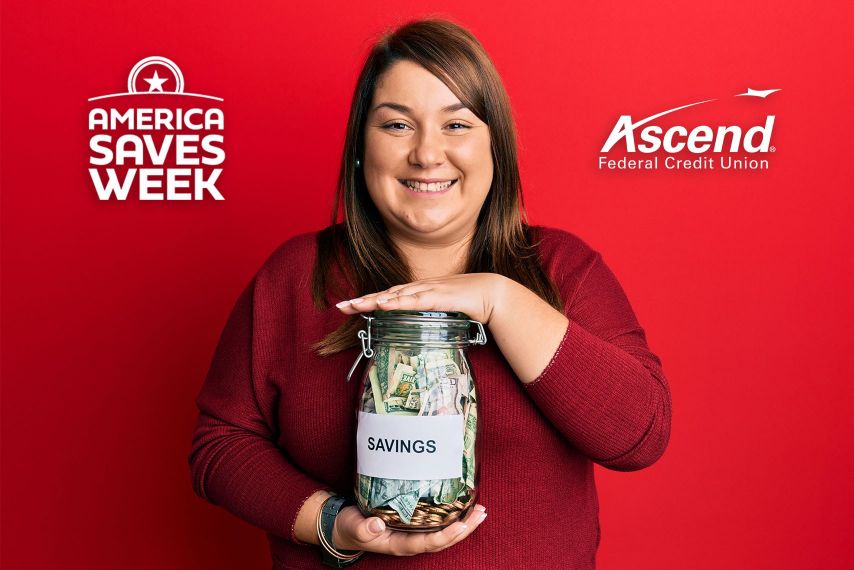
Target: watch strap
(331,556)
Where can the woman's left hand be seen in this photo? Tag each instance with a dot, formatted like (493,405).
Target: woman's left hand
(474,294)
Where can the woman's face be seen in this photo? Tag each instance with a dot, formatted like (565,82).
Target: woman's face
(418,138)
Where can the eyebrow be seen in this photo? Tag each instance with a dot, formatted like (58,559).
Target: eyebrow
(407,111)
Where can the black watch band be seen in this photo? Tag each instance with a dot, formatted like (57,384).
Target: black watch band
(331,507)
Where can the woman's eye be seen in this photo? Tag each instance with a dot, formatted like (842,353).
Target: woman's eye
(398,126)
(390,126)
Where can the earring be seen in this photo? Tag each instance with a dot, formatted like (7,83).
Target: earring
(358,163)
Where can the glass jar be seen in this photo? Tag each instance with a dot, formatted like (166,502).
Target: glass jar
(416,464)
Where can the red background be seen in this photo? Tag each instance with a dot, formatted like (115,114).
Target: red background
(742,280)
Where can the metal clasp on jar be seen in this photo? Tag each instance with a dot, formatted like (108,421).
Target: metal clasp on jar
(481,333)
(367,350)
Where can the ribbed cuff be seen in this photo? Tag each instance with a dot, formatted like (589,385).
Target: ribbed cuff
(300,499)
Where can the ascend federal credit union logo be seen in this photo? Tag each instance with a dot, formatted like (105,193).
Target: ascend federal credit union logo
(155,140)
(647,145)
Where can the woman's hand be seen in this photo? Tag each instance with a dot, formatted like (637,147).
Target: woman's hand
(353,531)
(474,294)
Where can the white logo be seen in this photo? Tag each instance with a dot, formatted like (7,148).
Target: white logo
(149,148)
(700,139)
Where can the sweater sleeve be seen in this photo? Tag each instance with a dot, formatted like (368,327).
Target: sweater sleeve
(603,389)
(234,461)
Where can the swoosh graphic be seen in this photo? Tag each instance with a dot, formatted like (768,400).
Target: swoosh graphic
(650,118)
(757,93)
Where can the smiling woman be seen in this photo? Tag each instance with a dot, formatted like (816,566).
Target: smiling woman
(429,109)
(432,146)
(428,216)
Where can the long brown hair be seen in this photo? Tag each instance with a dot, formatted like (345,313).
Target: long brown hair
(359,248)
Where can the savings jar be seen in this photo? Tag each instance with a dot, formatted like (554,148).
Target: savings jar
(417,418)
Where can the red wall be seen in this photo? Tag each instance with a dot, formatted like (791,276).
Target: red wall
(742,280)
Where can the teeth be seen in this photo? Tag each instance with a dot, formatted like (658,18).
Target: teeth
(432,187)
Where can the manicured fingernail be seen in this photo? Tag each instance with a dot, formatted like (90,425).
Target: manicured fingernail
(354,301)
(381,301)
(480,508)
(376,526)
(342,304)
(482,518)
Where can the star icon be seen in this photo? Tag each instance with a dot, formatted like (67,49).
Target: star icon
(155,82)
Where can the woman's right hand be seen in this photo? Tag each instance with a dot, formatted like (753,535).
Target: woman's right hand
(354,531)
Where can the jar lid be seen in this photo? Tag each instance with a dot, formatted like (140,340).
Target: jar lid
(447,328)
(417,328)
(405,314)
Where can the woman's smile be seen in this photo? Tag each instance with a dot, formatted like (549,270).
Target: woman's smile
(427,188)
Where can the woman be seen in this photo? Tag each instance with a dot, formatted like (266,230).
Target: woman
(433,220)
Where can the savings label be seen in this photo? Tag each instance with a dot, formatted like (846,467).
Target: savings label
(410,447)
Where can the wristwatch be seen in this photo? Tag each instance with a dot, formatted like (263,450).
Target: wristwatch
(325,522)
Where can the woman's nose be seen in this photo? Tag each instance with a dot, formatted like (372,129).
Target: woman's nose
(428,149)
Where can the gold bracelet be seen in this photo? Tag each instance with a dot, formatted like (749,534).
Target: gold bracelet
(326,544)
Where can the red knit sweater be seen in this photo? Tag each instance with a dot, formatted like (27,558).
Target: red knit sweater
(276,421)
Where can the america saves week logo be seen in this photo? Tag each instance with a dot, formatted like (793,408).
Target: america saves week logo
(655,142)
(156,141)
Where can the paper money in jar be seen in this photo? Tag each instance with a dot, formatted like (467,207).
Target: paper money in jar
(417,419)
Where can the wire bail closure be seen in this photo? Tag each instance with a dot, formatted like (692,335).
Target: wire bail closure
(481,333)
(368,351)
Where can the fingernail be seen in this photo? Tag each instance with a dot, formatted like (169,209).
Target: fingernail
(480,508)
(376,526)
(463,527)
(342,304)
(354,301)
(381,301)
